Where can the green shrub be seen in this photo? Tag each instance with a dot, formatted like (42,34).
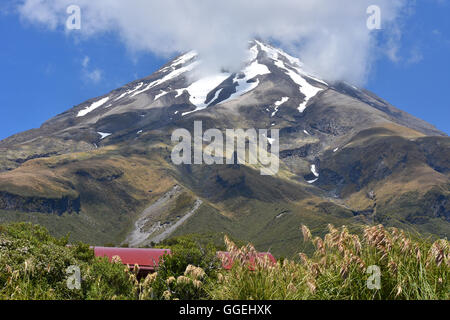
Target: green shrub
(186,251)
(33,265)
(104,280)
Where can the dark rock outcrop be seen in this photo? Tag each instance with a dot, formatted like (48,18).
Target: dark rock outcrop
(14,202)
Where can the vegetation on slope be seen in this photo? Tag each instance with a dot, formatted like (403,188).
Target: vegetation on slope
(33,266)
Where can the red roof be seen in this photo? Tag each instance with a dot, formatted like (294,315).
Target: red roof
(227,261)
(149,259)
(146,259)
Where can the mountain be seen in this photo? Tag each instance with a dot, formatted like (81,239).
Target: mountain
(103,171)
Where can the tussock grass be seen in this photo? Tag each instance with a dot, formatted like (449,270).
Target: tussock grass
(410,269)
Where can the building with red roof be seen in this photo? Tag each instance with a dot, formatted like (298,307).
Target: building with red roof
(147,260)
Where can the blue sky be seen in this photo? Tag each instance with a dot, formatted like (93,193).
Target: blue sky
(44,73)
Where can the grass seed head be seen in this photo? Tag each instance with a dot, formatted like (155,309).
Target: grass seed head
(167,295)
(183,280)
(307,236)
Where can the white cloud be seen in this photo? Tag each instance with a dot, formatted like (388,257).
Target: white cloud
(90,75)
(94,76)
(415,57)
(85,62)
(330,36)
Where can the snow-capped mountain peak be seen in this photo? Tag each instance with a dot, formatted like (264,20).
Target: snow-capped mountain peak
(181,76)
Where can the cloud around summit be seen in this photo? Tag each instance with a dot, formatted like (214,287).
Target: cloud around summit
(330,37)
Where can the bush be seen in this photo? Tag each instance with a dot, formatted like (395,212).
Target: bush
(175,280)
(109,281)
(33,265)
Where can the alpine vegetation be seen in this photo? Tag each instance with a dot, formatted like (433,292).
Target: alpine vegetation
(340,265)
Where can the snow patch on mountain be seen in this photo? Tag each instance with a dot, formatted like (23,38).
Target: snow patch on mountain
(129,91)
(308,90)
(173,72)
(200,89)
(180,61)
(315,173)
(185,58)
(245,81)
(92,107)
(314,170)
(104,135)
(216,95)
(295,72)
(162,94)
(269,140)
(278,104)
(171,75)
(179,92)
(295,63)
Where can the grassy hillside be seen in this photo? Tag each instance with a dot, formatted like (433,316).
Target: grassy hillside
(387,175)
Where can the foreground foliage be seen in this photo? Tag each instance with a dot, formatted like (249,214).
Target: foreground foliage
(341,268)
(33,266)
